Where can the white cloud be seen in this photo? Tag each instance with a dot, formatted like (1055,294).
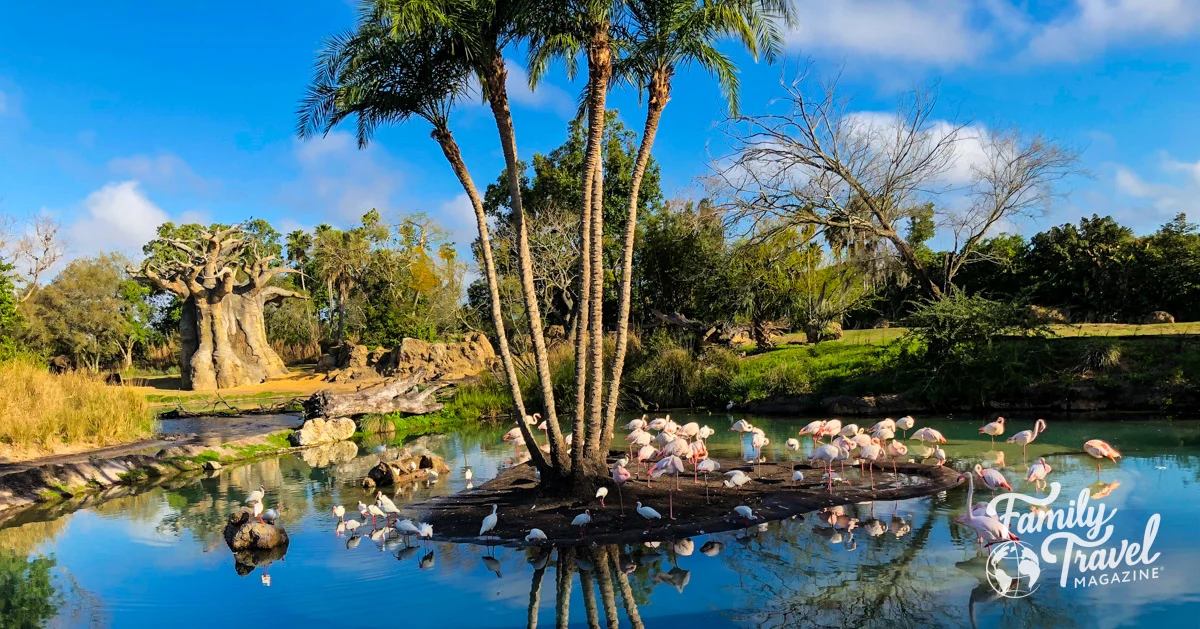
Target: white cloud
(1168,190)
(338,182)
(935,32)
(117,217)
(1093,25)
(164,170)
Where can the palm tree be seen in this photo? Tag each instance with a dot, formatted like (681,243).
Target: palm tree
(380,78)
(299,244)
(565,29)
(668,34)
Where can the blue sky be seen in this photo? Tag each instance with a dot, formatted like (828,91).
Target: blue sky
(116,116)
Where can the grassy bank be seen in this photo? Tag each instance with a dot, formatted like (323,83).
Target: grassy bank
(42,410)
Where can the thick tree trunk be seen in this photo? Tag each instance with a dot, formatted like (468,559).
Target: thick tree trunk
(600,70)
(398,395)
(453,155)
(250,336)
(202,374)
(496,76)
(660,91)
(585,300)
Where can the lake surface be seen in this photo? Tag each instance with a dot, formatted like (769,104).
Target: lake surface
(158,559)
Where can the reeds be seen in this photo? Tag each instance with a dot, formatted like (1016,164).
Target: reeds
(41,409)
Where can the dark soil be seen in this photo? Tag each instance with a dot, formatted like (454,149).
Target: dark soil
(771,495)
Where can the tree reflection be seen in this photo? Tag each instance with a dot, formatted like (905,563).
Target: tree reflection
(27,597)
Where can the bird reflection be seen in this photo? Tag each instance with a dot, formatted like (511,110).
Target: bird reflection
(1102,490)
(493,565)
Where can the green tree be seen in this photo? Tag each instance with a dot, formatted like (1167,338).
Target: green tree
(1085,269)
(682,262)
(27,594)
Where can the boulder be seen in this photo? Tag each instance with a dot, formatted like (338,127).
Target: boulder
(212,466)
(445,361)
(1159,316)
(245,533)
(316,431)
(405,470)
(357,357)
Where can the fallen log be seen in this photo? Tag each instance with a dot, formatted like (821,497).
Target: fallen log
(404,471)
(401,394)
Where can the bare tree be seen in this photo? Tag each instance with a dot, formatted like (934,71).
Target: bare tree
(812,160)
(32,248)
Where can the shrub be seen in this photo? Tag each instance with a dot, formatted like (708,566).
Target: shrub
(38,408)
(667,378)
(787,378)
(1099,356)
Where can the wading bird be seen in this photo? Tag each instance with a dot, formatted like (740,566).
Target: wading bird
(270,515)
(993,430)
(620,476)
(812,428)
(868,455)
(672,466)
(489,522)
(989,529)
(994,479)
(637,424)
(650,514)
(905,424)
(1026,437)
(746,513)
(601,493)
(1100,450)
(1038,471)
(793,444)
(706,467)
(896,450)
(582,520)
(257,508)
(536,536)
(928,434)
(829,453)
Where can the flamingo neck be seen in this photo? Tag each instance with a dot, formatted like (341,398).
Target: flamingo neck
(1038,427)
(970,498)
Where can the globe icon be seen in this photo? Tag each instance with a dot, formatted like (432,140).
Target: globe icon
(1013,569)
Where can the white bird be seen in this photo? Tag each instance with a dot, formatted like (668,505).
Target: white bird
(424,530)
(468,474)
(849,430)
(797,475)
(884,434)
(352,526)
(339,512)
(375,512)
(928,434)
(270,515)
(729,406)
(406,527)
(793,444)
(829,453)
(705,432)
(869,454)
(888,423)
(758,441)
(736,480)
(940,455)
(689,430)
(257,508)
(745,512)
(832,428)
(636,424)
(536,535)
(905,423)
(489,522)
(993,429)
(256,495)
(1026,437)
(386,504)
(650,514)
(601,493)
(582,520)
(896,450)
(658,423)
(1099,450)
(533,419)
(994,479)
(513,435)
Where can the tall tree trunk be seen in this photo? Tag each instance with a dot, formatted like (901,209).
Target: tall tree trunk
(230,372)
(581,320)
(496,76)
(660,93)
(450,149)
(600,71)
(201,369)
(343,294)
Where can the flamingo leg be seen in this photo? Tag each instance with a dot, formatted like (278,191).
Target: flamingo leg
(621,498)
(671,504)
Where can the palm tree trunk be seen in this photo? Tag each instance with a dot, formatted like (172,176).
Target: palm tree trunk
(660,93)
(450,149)
(495,77)
(600,71)
(581,319)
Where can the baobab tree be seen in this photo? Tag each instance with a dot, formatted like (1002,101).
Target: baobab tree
(223,276)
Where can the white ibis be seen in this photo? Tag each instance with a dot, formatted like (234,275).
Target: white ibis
(1026,437)
(602,493)
(376,512)
(257,508)
(536,536)
(994,479)
(928,434)
(1038,471)
(582,521)
(993,429)
(1100,450)
(489,522)
(736,478)
(256,495)
(339,512)
(271,515)
(424,530)
(650,514)
(385,503)
(406,528)
(745,512)
(793,444)
(352,526)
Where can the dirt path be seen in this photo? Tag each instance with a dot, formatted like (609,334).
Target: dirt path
(205,431)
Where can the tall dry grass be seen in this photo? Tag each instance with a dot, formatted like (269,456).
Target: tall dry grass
(40,409)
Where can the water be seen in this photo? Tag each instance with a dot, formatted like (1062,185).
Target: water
(158,556)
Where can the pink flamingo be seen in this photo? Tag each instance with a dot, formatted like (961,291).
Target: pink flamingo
(992,478)
(673,466)
(993,430)
(1101,450)
(620,476)
(1026,437)
(989,529)
(645,454)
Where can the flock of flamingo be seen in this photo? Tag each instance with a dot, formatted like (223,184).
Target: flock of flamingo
(664,447)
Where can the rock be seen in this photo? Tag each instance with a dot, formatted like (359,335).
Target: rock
(1159,316)
(375,355)
(831,332)
(327,362)
(446,361)
(316,431)
(212,466)
(358,356)
(405,470)
(244,533)
(882,324)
